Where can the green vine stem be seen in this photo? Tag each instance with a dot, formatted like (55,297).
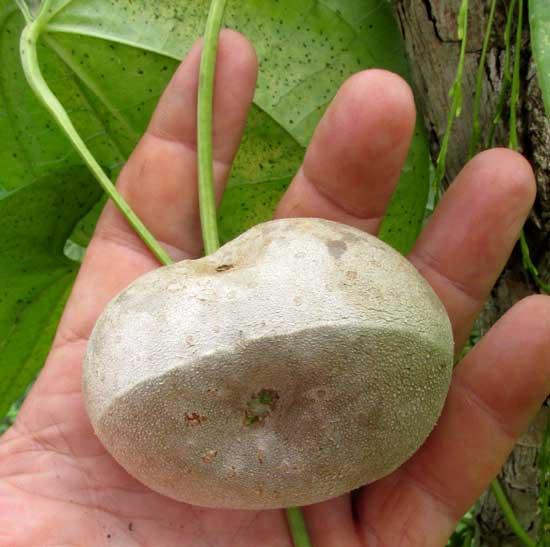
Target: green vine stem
(506,76)
(207,199)
(456,105)
(476,126)
(29,60)
(514,95)
(544,485)
(509,515)
(509,80)
(297,526)
(514,145)
(513,81)
(529,265)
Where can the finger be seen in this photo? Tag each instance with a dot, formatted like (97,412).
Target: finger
(331,524)
(472,232)
(171,206)
(495,393)
(356,154)
(160,181)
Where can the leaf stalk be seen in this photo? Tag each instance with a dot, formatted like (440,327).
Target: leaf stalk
(207,198)
(31,68)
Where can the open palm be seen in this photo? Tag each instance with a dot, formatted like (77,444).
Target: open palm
(58,486)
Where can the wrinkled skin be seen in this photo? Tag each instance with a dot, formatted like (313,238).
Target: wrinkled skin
(58,486)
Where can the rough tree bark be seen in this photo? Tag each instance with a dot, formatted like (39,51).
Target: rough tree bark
(429,28)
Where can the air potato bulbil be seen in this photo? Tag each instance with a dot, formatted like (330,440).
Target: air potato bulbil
(298,362)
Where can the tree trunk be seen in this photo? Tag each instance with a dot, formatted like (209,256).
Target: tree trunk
(429,28)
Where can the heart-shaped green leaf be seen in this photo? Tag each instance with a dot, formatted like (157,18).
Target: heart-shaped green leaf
(108,63)
(35,276)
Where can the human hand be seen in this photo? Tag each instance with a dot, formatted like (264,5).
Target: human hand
(58,485)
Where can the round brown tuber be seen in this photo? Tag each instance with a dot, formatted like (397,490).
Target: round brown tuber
(298,362)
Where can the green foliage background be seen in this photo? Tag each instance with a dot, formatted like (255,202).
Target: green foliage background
(108,63)
(539,21)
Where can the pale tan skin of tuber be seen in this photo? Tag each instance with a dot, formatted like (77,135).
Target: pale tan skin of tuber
(58,484)
(337,330)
